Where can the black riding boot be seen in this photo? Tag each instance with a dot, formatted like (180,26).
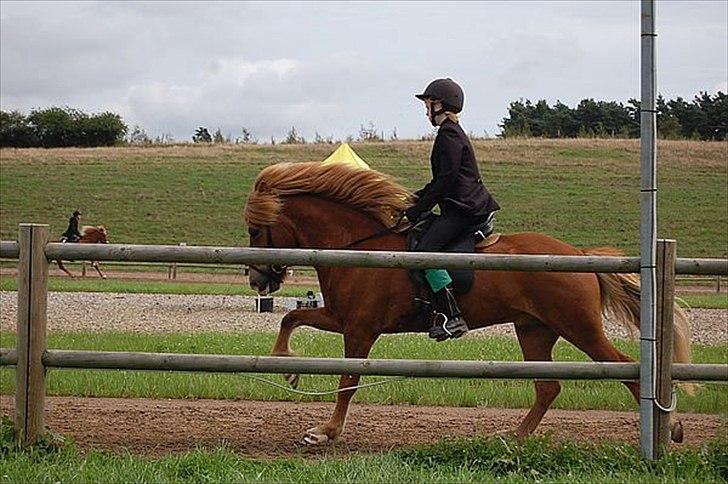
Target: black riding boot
(447,321)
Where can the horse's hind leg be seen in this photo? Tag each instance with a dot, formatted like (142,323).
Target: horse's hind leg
(318,318)
(596,344)
(95,265)
(599,348)
(355,346)
(537,341)
(62,267)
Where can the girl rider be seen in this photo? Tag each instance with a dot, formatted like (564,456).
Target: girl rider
(457,188)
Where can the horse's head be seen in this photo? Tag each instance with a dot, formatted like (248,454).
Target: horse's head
(269,278)
(273,220)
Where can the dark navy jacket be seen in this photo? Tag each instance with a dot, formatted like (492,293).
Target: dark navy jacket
(72,230)
(456,182)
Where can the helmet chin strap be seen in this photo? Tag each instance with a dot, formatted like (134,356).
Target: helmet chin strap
(436,116)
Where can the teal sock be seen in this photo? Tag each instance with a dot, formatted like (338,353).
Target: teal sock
(437,278)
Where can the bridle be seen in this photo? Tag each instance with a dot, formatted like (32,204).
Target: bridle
(274,272)
(277,272)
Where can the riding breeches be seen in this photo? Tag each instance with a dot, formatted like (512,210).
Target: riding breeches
(444,230)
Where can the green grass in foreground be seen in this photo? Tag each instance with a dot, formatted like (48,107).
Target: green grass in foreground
(416,391)
(706,300)
(460,461)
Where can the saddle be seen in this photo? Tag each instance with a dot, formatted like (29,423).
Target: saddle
(479,235)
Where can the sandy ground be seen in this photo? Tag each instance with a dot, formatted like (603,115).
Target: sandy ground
(274,429)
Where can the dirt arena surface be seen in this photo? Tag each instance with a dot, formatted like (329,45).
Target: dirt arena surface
(274,429)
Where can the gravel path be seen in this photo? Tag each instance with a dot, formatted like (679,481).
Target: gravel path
(161,313)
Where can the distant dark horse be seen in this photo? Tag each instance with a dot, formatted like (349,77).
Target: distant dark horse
(89,235)
(309,205)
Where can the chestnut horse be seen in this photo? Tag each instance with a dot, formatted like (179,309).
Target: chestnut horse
(309,205)
(89,235)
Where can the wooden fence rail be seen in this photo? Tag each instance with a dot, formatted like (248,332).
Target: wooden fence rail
(355,258)
(32,358)
(116,360)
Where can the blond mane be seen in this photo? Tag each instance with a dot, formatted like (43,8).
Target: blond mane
(370,191)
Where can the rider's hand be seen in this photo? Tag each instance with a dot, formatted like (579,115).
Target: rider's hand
(412,214)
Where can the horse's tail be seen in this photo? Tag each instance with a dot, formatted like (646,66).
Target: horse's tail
(621,301)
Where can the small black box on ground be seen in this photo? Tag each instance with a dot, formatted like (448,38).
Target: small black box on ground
(264,304)
(309,302)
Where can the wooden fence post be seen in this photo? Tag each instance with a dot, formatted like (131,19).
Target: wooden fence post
(31,330)
(666,257)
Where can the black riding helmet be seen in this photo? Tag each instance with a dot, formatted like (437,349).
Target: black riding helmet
(447,92)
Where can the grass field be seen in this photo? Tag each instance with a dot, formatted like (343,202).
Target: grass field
(577,395)
(583,191)
(479,460)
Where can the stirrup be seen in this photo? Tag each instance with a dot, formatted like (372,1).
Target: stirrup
(445,328)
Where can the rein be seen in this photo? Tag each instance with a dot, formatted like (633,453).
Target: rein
(394,229)
(277,272)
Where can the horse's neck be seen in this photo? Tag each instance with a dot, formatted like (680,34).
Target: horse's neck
(323,224)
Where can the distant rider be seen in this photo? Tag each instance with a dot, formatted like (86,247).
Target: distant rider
(457,188)
(72,234)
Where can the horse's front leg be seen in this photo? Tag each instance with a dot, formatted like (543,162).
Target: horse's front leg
(318,318)
(95,265)
(355,346)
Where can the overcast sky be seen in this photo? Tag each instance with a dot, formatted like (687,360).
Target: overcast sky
(331,67)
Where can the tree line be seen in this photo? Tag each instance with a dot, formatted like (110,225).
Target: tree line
(60,127)
(704,118)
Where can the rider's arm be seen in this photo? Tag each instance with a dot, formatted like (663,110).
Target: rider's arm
(448,158)
(74,227)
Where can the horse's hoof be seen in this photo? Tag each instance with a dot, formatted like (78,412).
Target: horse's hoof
(676,432)
(293,379)
(315,436)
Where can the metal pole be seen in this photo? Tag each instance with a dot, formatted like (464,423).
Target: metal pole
(648,227)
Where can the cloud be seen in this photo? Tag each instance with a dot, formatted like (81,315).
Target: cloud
(53,59)
(332,66)
(332,96)
(239,70)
